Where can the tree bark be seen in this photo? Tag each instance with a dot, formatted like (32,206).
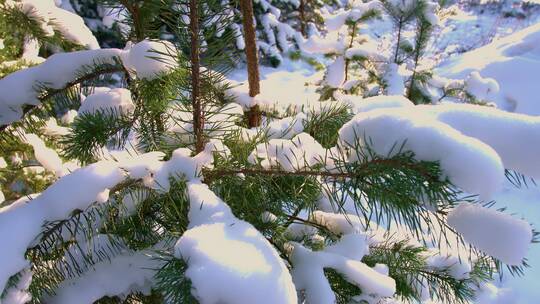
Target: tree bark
(198,121)
(254,114)
(302,18)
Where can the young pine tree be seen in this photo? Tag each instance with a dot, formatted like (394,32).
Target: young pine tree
(163,191)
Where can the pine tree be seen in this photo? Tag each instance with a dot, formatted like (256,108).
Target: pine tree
(165,191)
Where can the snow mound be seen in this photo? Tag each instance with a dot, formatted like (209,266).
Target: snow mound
(280,90)
(308,271)
(117,99)
(46,156)
(509,134)
(497,234)
(513,61)
(222,250)
(150,58)
(360,104)
(303,151)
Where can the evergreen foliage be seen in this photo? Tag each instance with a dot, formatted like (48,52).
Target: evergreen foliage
(178,109)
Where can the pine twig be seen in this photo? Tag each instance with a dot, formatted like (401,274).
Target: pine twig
(210,175)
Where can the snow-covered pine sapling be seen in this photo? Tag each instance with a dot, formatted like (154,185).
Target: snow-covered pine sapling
(421,15)
(303,15)
(346,49)
(474,89)
(276,37)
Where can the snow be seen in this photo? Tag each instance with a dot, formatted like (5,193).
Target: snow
(491,294)
(497,234)
(430,140)
(52,128)
(27,215)
(290,155)
(286,127)
(522,203)
(481,88)
(122,275)
(512,61)
(70,25)
(367,49)
(19,294)
(507,133)
(19,88)
(335,73)
(69,117)
(308,274)
(316,44)
(281,90)
(47,157)
(182,165)
(360,104)
(394,80)
(114,99)
(113,15)
(221,250)
(339,223)
(486,139)
(453,265)
(430,12)
(149,58)
(354,246)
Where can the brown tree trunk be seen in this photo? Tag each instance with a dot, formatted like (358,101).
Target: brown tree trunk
(302,18)
(198,121)
(133,9)
(254,114)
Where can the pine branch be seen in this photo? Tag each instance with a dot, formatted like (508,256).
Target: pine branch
(171,281)
(91,131)
(424,28)
(400,27)
(210,175)
(409,268)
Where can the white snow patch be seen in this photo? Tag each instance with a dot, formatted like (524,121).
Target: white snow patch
(497,234)
(115,99)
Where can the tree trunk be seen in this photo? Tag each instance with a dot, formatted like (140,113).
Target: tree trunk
(254,114)
(198,121)
(302,18)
